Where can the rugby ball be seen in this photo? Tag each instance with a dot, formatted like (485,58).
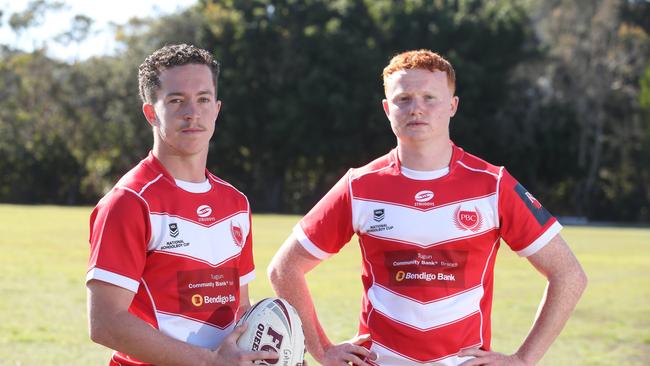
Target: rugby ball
(274,325)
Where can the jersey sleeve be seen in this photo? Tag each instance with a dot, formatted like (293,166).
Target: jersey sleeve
(328,226)
(246,263)
(120,230)
(526,226)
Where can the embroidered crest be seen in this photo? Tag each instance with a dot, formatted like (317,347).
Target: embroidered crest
(237,234)
(468,220)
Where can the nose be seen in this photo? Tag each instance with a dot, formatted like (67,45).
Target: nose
(416,107)
(191,111)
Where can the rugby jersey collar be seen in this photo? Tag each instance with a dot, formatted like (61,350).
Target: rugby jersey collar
(456,155)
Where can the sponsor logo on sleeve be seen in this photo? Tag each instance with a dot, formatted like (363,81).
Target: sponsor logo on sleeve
(539,212)
(468,219)
(423,199)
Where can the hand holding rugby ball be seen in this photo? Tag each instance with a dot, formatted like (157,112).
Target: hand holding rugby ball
(274,325)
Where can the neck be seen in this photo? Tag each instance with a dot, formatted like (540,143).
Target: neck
(425,157)
(188,168)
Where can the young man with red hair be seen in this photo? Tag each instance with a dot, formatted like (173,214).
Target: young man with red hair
(429,217)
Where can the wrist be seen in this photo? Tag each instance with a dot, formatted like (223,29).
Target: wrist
(318,352)
(523,360)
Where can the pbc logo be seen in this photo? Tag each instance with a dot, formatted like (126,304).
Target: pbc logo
(173,230)
(378,214)
(468,220)
(237,233)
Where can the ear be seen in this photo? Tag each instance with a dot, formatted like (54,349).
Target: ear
(150,114)
(386,106)
(218,108)
(454,105)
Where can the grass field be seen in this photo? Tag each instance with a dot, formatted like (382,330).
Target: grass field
(43,254)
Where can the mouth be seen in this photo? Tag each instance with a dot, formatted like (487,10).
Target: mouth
(416,123)
(192,130)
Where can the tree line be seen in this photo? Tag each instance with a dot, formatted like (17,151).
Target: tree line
(556,90)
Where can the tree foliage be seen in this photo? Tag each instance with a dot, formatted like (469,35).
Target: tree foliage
(555,90)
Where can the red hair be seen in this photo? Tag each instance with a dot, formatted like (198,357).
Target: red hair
(421,59)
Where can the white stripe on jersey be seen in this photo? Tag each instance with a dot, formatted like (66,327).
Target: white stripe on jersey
(309,245)
(387,357)
(246,278)
(541,242)
(412,226)
(192,331)
(189,232)
(425,316)
(113,278)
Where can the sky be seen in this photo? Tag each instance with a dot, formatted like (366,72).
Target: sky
(101,42)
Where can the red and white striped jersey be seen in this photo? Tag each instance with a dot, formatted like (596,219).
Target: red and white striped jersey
(184,254)
(428,248)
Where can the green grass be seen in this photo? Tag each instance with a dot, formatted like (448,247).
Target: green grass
(43,254)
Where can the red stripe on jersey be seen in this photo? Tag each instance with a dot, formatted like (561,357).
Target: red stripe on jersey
(421,345)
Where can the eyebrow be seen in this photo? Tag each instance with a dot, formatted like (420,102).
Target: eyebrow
(179,94)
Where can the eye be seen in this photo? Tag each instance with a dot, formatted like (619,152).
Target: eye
(175,101)
(204,100)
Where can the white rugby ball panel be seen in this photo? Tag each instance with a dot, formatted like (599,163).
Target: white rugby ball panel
(273,324)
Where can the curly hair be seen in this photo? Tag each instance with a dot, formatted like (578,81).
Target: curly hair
(421,59)
(168,57)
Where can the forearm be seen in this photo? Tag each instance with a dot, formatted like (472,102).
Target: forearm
(293,287)
(128,334)
(560,298)
(287,276)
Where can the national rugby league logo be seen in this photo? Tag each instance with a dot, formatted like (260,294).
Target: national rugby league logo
(468,220)
(237,233)
(173,230)
(378,214)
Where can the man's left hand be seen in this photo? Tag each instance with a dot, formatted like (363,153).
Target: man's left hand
(490,358)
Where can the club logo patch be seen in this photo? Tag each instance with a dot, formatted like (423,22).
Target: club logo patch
(468,220)
(173,230)
(378,214)
(237,233)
